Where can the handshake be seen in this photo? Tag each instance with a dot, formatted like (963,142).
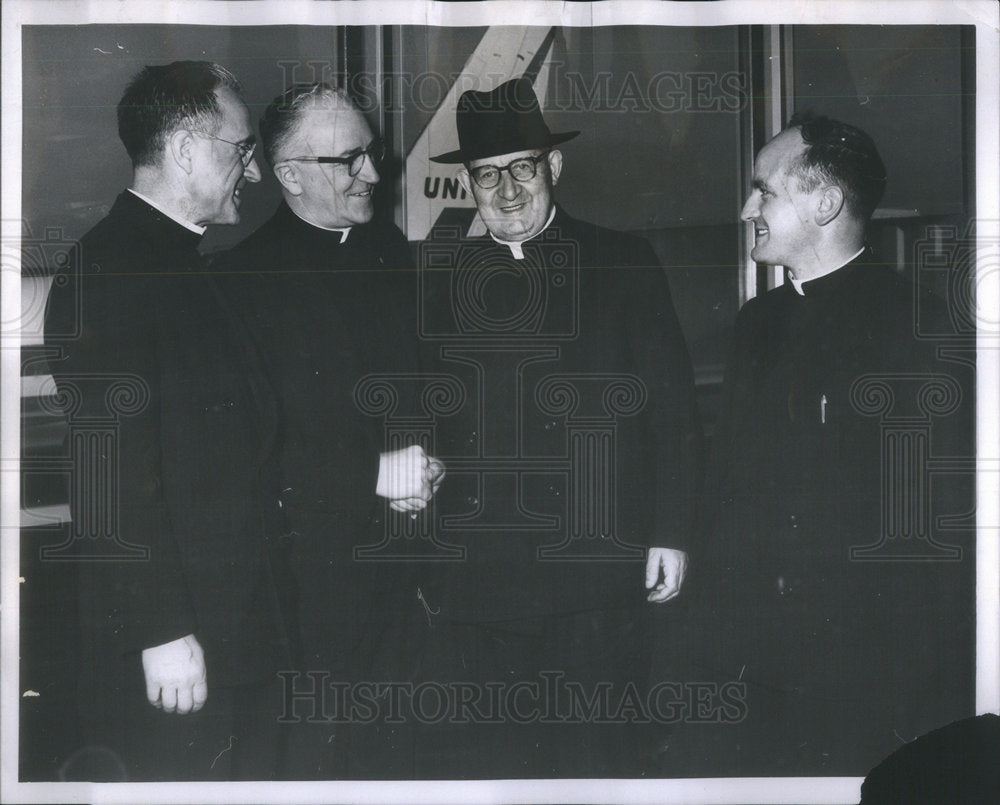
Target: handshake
(409,478)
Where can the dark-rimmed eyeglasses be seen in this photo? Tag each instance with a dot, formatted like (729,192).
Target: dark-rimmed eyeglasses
(523,170)
(354,162)
(245,148)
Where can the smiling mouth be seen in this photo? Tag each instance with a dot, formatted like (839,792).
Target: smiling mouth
(362,194)
(758,232)
(511,208)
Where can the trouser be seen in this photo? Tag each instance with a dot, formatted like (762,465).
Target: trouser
(539,697)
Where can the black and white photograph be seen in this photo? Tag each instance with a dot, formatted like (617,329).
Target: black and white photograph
(501,402)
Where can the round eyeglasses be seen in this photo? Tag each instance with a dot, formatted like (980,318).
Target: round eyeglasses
(354,162)
(523,169)
(245,148)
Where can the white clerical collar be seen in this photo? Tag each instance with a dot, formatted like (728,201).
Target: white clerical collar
(515,245)
(344,231)
(797,284)
(198,230)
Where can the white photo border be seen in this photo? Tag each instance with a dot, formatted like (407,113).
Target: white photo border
(981,13)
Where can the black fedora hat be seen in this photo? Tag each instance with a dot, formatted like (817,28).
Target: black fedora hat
(500,121)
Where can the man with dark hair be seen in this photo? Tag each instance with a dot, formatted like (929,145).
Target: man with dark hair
(181,558)
(841,155)
(166,110)
(577,457)
(837,586)
(330,292)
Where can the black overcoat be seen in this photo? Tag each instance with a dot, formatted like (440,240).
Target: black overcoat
(327,314)
(850,594)
(578,444)
(172,436)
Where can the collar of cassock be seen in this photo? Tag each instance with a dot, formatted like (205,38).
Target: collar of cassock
(797,284)
(515,245)
(198,230)
(344,231)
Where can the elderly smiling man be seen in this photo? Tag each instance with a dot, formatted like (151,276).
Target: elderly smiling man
(563,510)
(329,291)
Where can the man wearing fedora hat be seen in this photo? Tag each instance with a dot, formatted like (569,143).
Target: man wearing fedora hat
(562,510)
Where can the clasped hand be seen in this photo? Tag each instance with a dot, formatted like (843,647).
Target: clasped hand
(665,571)
(409,478)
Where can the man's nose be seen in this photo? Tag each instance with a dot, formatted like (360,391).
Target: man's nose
(750,209)
(369,173)
(252,170)
(508,188)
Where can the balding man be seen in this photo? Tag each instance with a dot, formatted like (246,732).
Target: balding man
(845,592)
(329,290)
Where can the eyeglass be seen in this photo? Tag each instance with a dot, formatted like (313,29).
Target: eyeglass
(246,149)
(524,169)
(375,152)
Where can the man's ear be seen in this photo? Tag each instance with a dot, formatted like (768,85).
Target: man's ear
(180,150)
(555,165)
(831,202)
(465,180)
(288,174)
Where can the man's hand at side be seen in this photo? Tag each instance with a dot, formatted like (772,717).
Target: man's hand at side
(673,565)
(409,478)
(175,675)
